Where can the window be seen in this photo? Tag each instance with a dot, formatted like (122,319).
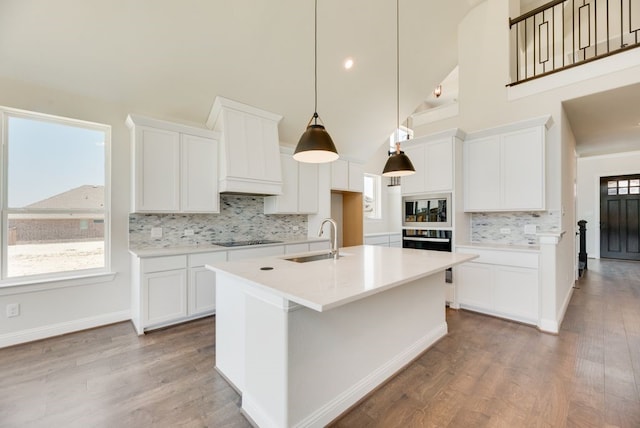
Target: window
(401,134)
(372,197)
(623,187)
(55,210)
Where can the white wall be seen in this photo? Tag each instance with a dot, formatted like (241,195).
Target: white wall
(59,310)
(590,169)
(391,198)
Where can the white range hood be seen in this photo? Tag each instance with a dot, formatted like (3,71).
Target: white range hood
(249,160)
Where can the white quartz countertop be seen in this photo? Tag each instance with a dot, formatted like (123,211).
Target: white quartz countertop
(361,271)
(207,248)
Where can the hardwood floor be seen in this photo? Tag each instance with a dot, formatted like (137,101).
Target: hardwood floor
(486,372)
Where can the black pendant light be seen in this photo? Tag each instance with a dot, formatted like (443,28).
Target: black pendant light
(315,145)
(398,164)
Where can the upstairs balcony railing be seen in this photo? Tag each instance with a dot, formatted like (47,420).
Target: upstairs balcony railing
(566,33)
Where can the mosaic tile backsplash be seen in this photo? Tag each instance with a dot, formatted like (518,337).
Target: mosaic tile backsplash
(486,227)
(241,218)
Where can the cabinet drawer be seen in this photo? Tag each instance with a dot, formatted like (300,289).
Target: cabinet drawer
(251,253)
(504,258)
(376,240)
(395,238)
(161,264)
(202,259)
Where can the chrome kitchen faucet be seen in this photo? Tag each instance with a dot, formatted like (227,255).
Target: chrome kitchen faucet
(334,243)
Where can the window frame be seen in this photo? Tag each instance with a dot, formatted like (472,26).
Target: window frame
(5,114)
(377,180)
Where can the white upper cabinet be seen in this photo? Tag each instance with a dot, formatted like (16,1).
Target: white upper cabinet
(249,147)
(347,176)
(504,168)
(299,188)
(199,191)
(481,159)
(174,167)
(433,159)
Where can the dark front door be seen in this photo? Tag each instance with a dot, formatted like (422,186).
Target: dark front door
(620,217)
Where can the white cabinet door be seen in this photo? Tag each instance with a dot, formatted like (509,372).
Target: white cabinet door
(202,291)
(299,189)
(164,296)
(414,183)
(516,292)
(340,175)
(287,202)
(474,282)
(157,170)
(356,177)
(482,174)
(439,166)
(199,175)
(523,170)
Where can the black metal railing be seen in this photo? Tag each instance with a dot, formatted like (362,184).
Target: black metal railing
(566,33)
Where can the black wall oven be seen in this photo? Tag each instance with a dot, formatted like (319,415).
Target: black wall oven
(428,239)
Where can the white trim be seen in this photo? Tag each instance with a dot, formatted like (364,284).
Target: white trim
(435,114)
(15,287)
(325,414)
(545,120)
(576,75)
(44,332)
(134,120)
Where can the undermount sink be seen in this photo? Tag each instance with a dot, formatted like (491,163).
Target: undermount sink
(312,258)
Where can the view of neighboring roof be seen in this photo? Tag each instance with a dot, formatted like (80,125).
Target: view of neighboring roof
(83,197)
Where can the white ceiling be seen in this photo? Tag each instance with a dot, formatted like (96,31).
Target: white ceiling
(169,59)
(606,122)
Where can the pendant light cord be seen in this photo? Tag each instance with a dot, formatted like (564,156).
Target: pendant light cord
(315,62)
(397,76)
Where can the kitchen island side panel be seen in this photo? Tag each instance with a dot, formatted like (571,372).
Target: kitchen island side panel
(305,368)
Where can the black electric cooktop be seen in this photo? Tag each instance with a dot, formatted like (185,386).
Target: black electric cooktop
(244,243)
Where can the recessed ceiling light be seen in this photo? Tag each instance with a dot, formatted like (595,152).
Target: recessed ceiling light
(348,63)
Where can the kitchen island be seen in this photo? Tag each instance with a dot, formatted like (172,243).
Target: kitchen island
(303,342)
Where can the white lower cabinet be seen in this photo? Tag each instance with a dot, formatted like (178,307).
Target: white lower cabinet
(500,283)
(172,289)
(164,296)
(169,290)
(393,239)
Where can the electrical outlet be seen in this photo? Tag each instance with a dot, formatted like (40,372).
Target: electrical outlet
(505,230)
(530,229)
(156,232)
(188,232)
(13,310)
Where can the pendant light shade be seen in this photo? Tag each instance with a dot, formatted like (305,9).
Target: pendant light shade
(315,145)
(398,164)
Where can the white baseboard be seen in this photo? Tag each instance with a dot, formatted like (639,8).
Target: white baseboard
(325,414)
(29,335)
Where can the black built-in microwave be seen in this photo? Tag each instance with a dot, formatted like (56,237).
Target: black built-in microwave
(425,211)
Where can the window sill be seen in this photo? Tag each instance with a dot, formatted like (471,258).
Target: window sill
(9,287)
